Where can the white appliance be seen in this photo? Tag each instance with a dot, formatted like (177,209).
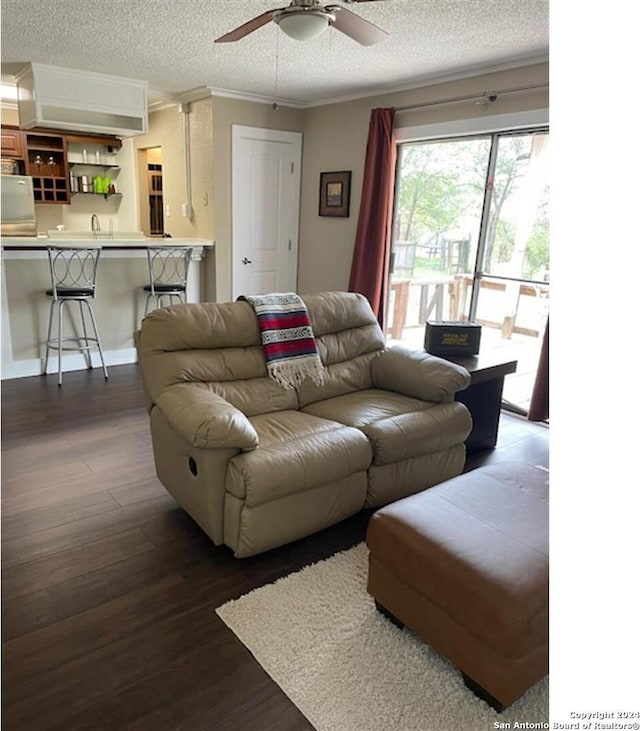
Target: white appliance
(18,209)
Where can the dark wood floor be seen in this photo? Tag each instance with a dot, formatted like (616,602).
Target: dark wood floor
(109,589)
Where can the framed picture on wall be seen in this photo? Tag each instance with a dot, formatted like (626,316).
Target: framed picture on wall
(335,194)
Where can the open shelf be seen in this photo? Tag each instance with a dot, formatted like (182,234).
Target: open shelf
(104,166)
(45,142)
(98,195)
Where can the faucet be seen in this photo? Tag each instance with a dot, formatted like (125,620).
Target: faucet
(95,224)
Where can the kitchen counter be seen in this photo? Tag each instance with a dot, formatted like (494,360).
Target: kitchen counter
(124,242)
(119,301)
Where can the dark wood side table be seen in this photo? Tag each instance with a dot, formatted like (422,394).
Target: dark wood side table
(483,397)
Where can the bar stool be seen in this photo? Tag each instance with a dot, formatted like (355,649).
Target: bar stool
(168,270)
(73,279)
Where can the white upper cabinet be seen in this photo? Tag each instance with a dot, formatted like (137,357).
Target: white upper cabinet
(61,98)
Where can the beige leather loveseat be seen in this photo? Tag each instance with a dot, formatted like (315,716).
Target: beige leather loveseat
(258,466)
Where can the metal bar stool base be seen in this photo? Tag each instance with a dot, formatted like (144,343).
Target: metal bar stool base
(82,343)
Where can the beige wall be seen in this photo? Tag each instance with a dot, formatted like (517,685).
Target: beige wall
(9,115)
(167,130)
(335,138)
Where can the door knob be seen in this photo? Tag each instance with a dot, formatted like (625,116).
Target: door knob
(246,261)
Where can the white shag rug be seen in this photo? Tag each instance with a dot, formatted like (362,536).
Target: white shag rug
(318,634)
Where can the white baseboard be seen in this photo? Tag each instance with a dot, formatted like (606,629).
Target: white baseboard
(70,362)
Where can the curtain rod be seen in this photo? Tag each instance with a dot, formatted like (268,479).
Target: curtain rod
(490,96)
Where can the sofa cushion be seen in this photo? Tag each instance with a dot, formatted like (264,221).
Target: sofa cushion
(199,342)
(398,427)
(256,395)
(365,407)
(339,378)
(332,313)
(348,338)
(297,452)
(418,433)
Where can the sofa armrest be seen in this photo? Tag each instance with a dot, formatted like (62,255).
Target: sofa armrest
(205,419)
(418,374)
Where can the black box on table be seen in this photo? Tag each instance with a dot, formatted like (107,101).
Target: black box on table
(449,337)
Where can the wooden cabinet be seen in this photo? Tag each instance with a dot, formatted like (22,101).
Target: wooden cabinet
(42,155)
(46,159)
(13,148)
(12,142)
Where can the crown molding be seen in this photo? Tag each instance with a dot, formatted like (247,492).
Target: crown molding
(434,80)
(258,98)
(206,92)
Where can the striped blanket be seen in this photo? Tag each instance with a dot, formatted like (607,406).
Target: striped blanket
(287,338)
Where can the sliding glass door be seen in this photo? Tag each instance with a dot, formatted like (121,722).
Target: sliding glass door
(471,242)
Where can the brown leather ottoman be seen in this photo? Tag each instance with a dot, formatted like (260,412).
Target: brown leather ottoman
(465,565)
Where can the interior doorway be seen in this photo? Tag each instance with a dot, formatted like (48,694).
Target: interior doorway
(265,193)
(471,242)
(150,189)
(154,189)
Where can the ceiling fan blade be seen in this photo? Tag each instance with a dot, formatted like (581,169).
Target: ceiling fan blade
(355,27)
(243,30)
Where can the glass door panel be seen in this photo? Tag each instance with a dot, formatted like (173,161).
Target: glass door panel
(517,241)
(440,190)
(471,241)
(511,293)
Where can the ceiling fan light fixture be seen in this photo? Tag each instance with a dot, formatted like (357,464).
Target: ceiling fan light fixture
(304,24)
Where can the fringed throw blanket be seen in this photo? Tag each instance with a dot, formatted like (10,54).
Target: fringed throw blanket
(287,339)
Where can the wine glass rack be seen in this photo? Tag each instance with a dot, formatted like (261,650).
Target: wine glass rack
(47,164)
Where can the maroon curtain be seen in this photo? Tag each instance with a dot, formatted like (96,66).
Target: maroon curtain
(370,265)
(539,406)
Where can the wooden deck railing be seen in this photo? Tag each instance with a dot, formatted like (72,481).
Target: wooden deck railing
(458,286)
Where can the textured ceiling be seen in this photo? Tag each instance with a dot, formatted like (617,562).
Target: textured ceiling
(169,43)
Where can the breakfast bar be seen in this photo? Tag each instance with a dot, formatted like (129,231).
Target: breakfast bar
(119,300)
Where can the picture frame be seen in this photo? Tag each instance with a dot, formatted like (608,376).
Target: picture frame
(335,194)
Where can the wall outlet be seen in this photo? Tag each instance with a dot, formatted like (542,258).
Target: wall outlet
(167,210)
(205,199)
(186,210)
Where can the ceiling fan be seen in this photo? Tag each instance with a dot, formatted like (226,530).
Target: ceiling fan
(307,19)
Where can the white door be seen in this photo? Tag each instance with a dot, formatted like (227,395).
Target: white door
(265,210)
